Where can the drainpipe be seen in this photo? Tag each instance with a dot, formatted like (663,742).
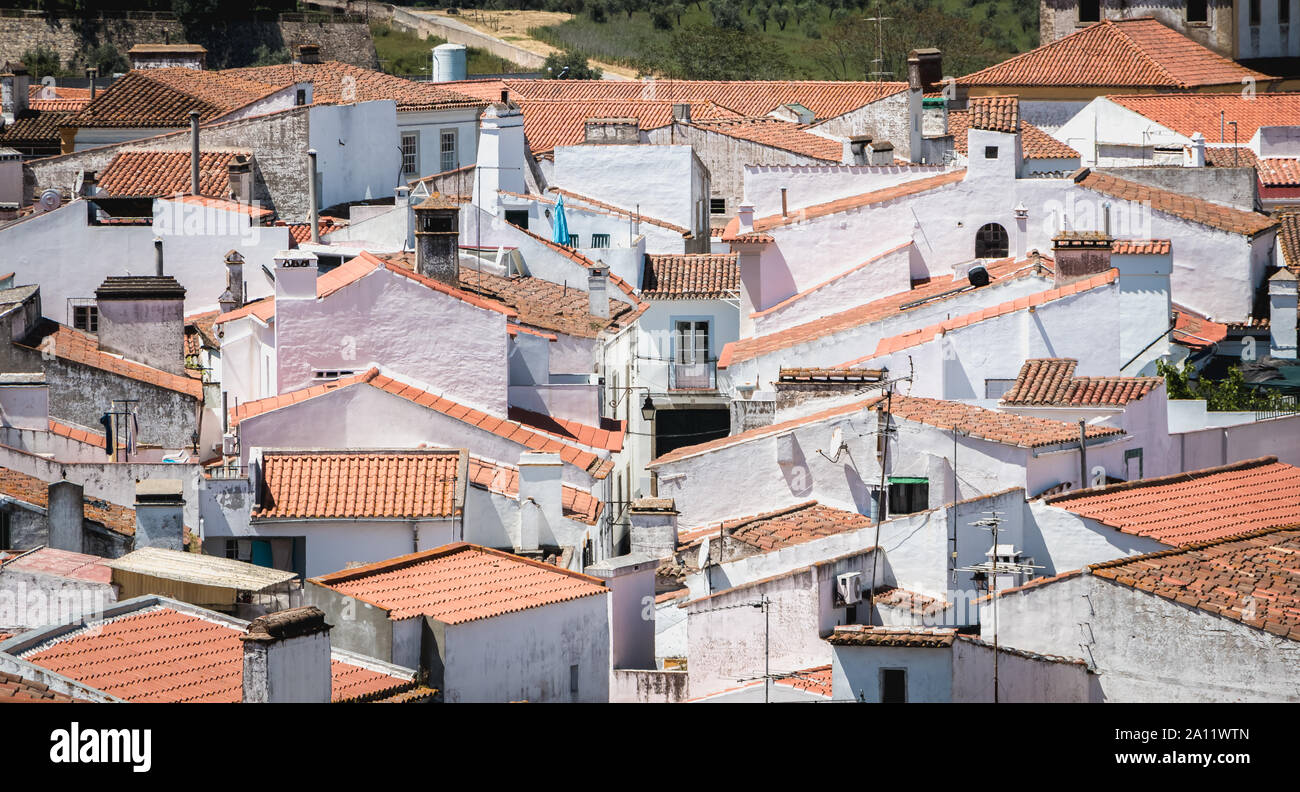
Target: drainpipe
(1083,457)
(194,153)
(311,196)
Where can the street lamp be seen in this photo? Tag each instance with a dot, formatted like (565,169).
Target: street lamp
(648,408)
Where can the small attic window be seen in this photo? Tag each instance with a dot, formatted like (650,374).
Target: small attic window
(990,152)
(1090,10)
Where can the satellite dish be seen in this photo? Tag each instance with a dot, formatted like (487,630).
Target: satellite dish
(50,200)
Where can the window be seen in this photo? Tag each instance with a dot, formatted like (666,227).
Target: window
(86,317)
(517,217)
(600,240)
(1090,10)
(997,388)
(718,205)
(575,241)
(1254,13)
(322,376)
(907,495)
(301,98)
(447,149)
(1197,11)
(893,686)
(573,681)
(1133,464)
(990,152)
(991,242)
(1283,12)
(410,153)
(6,540)
(692,342)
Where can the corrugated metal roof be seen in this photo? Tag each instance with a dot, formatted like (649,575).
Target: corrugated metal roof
(203,570)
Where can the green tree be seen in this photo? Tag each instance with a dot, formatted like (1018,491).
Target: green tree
(726,15)
(107,60)
(598,10)
(570,65)
(701,52)
(265,56)
(781,15)
(1224,395)
(41,61)
(662,18)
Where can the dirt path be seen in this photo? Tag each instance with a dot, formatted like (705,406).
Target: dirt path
(513,27)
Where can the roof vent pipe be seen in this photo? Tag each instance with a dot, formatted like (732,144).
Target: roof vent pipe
(194,152)
(785,212)
(157,256)
(312,198)
(91,74)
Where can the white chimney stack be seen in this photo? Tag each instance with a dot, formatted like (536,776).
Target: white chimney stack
(500,156)
(160,514)
(313,200)
(295,275)
(746,215)
(1282,302)
(1194,152)
(287,658)
(540,499)
(233,296)
(65,512)
(598,290)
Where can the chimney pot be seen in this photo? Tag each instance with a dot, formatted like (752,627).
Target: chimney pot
(598,290)
(287,658)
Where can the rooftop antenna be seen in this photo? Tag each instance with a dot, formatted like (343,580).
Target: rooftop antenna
(878,62)
(990,569)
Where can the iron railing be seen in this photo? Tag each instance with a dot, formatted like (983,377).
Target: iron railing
(693,376)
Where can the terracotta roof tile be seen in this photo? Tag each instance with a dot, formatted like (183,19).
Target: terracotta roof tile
(30,489)
(1035,144)
(550,123)
(576,504)
(78,347)
(1122,53)
(608,209)
(830,375)
(460,583)
(875,197)
(1140,247)
(61,563)
(693,276)
(300,233)
(1278,171)
(1186,113)
(1196,506)
(776,133)
(783,528)
(35,128)
(1251,576)
(1050,382)
(813,680)
(164,98)
(608,435)
(915,637)
(937,288)
(15,688)
(994,113)
(368,85)
(160,654)
(550,306)
(999,427)
(263,309)
(360,484)
(1196,331)
(1289,234)
(1198,210)
(513,431)
(155,173)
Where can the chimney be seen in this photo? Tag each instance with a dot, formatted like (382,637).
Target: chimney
(437,239)
(157,257)
(505,96)
(682,112)
(65,513)
(1282,302)
(309,53)
(500,156)
(160,514)
(654,526)
(287,658)
(194,152)
(924,73)
(745,214)
(89,183)
(91,74)
(402,200)
(618,131)
(239,175)
(1080,254)
(859,147)
(142,318)
(880,152)
(1194,152)
(598,290)
(295,275)
(540,500)
(13,92)
(312,198)
(631,582)
(233,297)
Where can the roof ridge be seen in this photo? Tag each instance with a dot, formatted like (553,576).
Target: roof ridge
(1173,478)
(1191,548)
(1142,53)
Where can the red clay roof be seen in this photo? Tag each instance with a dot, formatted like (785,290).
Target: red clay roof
(300,233)
(874,311)
(1198,210)
(994,113)
(549,123)
(160,654)
(786,527)
(608,209)
(690,276)
(609,435)
(354,269)
(460,583)
(1121,53)
(1022,431)
(776,133)
(154,173)
(915,637)
(1050,382)
(1196,506)
(922,335)
(165,97)
(854,202)
(261,213)
(415,484)
(1140,247)
(1196,331)
(263,309)
(30,489)
(1035,144)
(78,347)
(61,563)
(1250,577)
(14,688)
(502,427)
(368,85)
(813,680)
(496,477)
(1289,234)
(1186,113)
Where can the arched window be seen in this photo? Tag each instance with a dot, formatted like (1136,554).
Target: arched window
(991,242)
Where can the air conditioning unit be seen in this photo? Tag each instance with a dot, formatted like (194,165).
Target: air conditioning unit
(229,444)
(849,587)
